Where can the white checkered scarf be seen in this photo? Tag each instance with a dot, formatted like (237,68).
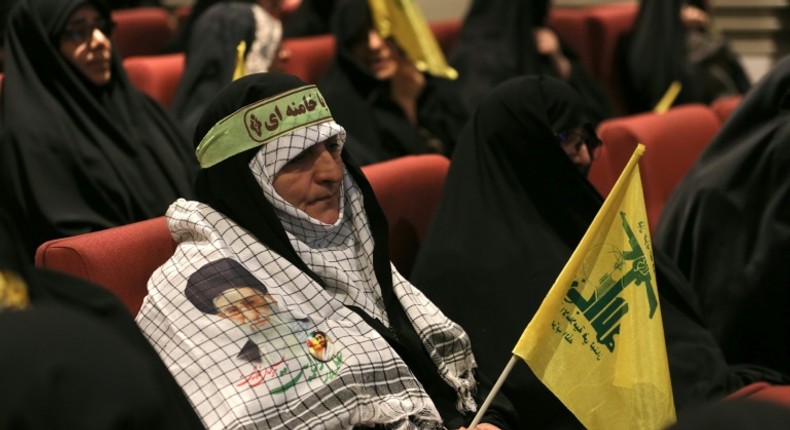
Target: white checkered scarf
(371,386)
(265,45)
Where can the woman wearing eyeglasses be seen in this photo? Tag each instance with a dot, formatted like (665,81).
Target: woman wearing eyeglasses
(82,150)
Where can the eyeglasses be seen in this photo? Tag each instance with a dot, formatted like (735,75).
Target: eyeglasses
(571,142)
(81,31)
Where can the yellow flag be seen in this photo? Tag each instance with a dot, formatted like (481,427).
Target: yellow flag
(668,98)
(241,67)
(597,340)
(403,20)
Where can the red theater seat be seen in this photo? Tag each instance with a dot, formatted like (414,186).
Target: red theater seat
(724,106)
(141,30)
(310,56)
(570,24)
(123,258)
(156,75)
(673,142)
(120,259)
(606,25)
(447,33)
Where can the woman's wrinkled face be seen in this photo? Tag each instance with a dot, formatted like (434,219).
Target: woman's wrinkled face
(376,54)
(85,43)
(311,182)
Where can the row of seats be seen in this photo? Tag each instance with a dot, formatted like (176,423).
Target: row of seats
(158,75)
(591,32)
(123,258)
(672,140)
(408,188)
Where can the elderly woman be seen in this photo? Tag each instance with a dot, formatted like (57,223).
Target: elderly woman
(308,244)
(515,205)
(673,40)
(82,150)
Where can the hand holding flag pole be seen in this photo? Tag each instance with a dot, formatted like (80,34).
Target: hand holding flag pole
(590,340)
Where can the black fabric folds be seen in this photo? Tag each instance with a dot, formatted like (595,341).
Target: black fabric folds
(513,209)
(311,18)
(656,52)
(377,127)
(75,157)
(76,359)
(497,44)
(727,226)
(230,188)
(211,58)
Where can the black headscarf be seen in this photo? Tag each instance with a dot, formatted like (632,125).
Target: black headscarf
(377,128)
(77,157)
(727,226)
(656,53)
(311,18)
(180,40)
(513,209)
(497,44)
(76,358)
(231,188)
(211,58)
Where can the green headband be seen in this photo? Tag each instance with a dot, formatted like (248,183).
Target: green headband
(261,122)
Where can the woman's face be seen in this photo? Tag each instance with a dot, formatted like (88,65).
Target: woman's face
(85,43)
(311,182)
(376,54)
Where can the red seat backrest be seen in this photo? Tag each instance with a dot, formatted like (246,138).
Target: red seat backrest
(156,75)
(673,142)
(120,258)
(606,24)
(408,189)
(310,56)
(141,30)
(447,33)
(570,24)
(724,106)
(123,258)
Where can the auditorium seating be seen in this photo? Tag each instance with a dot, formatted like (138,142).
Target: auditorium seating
(447,33)
(141,30)
(570,24)
(606,26)
(123,258)
(156,75)
(673,142)
(723,107)
(310,56)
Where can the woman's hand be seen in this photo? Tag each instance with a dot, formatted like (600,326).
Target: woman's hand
(693,17)
(548,44)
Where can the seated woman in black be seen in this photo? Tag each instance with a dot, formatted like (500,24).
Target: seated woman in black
(515,206)
(82,150)
(727,226)
(388,107)
(503,39)
(671,40)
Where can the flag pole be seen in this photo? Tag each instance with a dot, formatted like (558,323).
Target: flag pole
(494,391)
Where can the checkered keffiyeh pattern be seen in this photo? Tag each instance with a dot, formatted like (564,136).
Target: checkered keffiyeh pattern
(362,382)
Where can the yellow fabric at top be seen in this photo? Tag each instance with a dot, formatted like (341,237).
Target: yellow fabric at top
(403,20)
(597,341)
